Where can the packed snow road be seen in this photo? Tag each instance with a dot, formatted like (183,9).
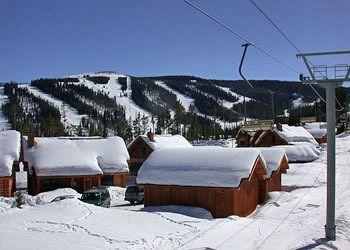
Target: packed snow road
(293,219)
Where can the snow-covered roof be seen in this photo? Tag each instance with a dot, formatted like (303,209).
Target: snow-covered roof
(299,153)
(57,156)
(295,134)
(198,166)
(10,148)
(317,132)
(272,158)
(315,125)
(166,141)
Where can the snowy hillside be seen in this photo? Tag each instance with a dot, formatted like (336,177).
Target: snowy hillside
(4,124)
(114,90)
(71,115)
(292,219)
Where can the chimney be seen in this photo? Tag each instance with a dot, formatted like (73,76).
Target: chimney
(279,126)
(31,140)
(150,136)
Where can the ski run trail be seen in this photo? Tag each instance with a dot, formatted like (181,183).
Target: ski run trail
(288,220)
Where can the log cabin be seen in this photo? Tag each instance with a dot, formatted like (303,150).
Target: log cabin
(78,163)
(225,181)
(142,146)
(251,130)
(10,157)
(276,163)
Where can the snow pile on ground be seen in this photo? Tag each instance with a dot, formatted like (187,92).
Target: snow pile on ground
(272,158)
(198,166)
(117,195)
(10,147)
(299,153)
(6,203)
(46,197)
(293,134)
(195,212)
(56,156)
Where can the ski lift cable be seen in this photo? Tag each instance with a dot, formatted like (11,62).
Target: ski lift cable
(238,35)
(295,47)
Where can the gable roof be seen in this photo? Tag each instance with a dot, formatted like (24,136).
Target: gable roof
(165,141)
(10,148)
(295,134)
(272,158)
(64,157)
(199,166)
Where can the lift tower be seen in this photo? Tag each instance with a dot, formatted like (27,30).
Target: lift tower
(328,77)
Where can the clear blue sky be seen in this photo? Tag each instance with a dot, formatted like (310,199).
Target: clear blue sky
(44,38)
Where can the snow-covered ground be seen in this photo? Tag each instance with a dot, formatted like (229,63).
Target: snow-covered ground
(289,220)
(72,116)
(4,123)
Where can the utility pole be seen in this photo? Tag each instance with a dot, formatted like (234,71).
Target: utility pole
(272,107)
(322,76)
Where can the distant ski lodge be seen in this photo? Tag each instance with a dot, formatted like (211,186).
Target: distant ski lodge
(224,181)
(142,146)
(78,163)
(10,157)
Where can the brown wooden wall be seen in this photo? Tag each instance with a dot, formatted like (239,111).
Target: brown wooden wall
(221,202)
(321,140)
(139,151)
(242,139)
(78,183)
(274,183)
(6,186)
(120,179)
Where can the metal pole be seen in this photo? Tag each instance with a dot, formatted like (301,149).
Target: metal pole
(330,220)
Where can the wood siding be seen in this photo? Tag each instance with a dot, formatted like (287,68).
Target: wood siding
(120,179)
(40,184)
(221,202)
(139,151)
(6,186)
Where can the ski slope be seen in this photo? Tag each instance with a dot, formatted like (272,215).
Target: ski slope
(4,123)
(114,91)
(187,101)
(289,220)
(240,97)
(73,118)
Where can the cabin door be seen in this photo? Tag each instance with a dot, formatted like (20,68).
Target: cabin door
(224,202)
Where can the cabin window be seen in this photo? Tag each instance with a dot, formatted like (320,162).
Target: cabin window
(273,138)
(107,180)
(242,142)
(144,150)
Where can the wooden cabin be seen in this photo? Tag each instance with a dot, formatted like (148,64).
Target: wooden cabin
(225,181)
(142,146)
(251,130)
(80,164)
(276,163)
(318,130)
(10,156)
